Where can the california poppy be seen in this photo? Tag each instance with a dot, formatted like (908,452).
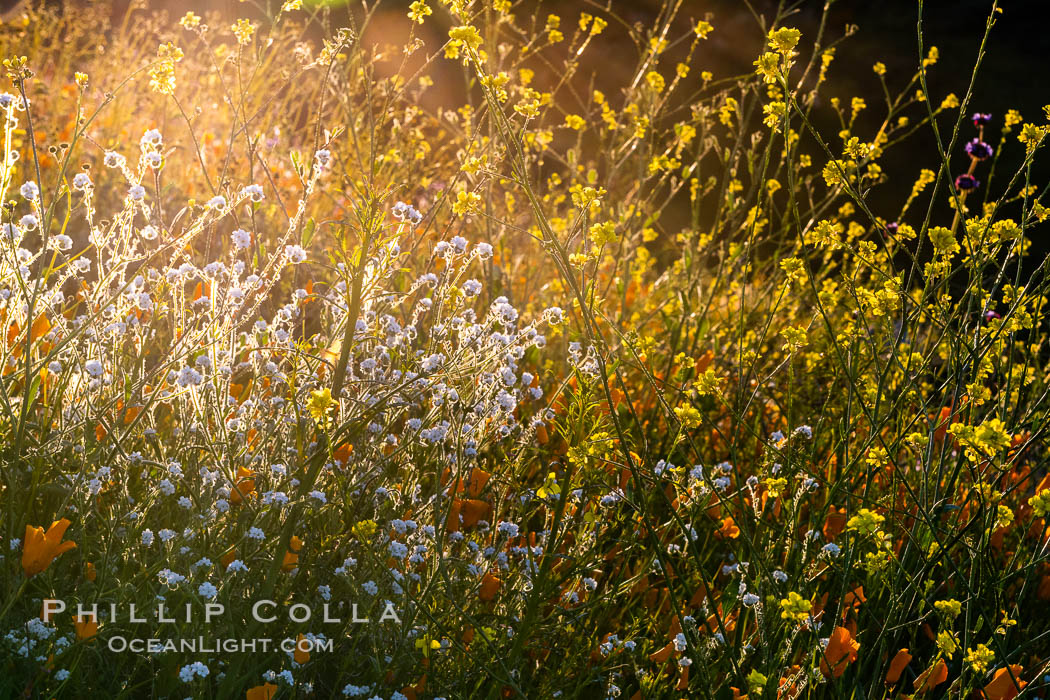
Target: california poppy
(897,666)
(840,652)
(1005,685)
(489,587)
(291,557)
(932,677)
(86,627)
(302,653)
(261,692)
(40,548)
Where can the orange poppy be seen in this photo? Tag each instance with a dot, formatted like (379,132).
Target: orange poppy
(1005,685)
(840,652)
(932,677)
(40,548)
(489,587)
(301,654)
(897,666)
(261,692)
(291,557)
(86,627)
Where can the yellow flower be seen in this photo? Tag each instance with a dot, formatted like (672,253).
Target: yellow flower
(655,80)
(1040,503)
(466,35)
(865,522)
(980,658)
(364,529)
(466,203)
(795,608)
(784,39)
(418,10)
(190,21)
(320,403)
(39,549)
(688,416)
(702,29)
(947,643)
(768,66)
(243,30)
(575,121)
(950,608)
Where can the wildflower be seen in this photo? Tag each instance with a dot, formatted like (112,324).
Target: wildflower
(207,590)
(190,21)
(979,149)
(784,39)
(241,238)
(295,254)
(795,608)
(418,10)
(243,30)
(768,66)
(266,691)
(466,203)
(980,658)
(981,119)
(41,548)
(1040,503)
(253,192)
(320,403)
(865,522)
(1006,683)
(162,73)
(191,671)
(81,182)
(29,190)
(466,35)
(897,665)
(966,182)
(840,651)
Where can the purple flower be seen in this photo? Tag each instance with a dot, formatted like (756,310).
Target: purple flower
(979,149)
(892,227)
(966,182)
(981,119)
(991,316)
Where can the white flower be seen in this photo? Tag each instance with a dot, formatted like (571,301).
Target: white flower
(295,254)
(137,193)
(217,202)
(241,239)
(508,529)
(93,368)
(29,190)
(60,242)
(190,671)
(114,160)
(81,182)
(253,192)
